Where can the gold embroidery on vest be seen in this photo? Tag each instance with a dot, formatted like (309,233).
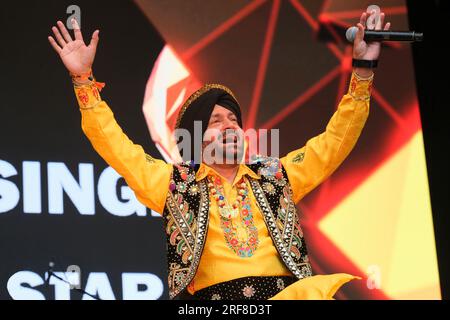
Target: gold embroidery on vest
(195,235)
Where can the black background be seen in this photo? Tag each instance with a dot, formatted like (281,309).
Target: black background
(41,122)
(431,60)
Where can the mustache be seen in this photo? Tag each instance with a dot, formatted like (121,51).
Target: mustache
(229,137)
(225,136)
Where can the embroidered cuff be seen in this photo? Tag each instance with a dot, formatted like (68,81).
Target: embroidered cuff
(88,96)
(360,88)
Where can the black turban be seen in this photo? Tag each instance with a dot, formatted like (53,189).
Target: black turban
(200,106)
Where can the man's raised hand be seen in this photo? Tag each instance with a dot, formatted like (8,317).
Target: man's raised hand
(362,49)
(76,56)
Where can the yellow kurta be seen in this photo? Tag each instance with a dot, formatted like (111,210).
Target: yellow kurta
(306,168)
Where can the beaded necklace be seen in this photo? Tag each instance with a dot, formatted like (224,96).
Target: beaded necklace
(243,242)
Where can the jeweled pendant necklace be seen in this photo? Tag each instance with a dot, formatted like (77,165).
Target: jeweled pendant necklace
(243,246)
(226,210)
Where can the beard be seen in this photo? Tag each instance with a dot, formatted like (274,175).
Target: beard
(231,153)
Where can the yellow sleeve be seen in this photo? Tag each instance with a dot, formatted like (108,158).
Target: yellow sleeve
(321,156)
(147,177)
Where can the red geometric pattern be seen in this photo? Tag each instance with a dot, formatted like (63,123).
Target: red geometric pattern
(269,54)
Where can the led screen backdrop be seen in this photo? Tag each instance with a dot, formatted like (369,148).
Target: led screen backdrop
(288,65)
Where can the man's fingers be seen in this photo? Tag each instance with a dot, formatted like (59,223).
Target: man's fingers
(360,34)
(363,19)
(58,37)
(64,32)
(95,39)
(380,22)
(76,29)
(54,45)
(387,26)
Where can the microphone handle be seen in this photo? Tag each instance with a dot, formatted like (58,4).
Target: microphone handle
(411,36)
(49,275)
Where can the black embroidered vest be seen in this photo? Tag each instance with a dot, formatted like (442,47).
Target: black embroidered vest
(186,218)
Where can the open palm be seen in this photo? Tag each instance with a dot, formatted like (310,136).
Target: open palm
(76,56)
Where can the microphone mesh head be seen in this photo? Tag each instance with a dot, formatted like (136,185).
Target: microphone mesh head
(351,34)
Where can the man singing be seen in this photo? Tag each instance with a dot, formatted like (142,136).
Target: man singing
(232,229)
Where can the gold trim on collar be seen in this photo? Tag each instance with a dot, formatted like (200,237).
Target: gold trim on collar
(206,170)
